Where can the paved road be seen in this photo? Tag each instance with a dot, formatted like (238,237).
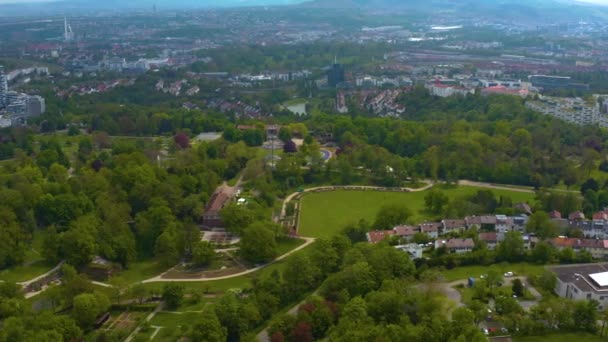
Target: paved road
(449,290)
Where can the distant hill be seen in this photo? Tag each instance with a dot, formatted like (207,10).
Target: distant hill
(69,6)
(519,10)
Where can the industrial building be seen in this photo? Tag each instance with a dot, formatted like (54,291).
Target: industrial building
(583,282)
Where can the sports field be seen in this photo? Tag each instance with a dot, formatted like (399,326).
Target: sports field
(325,213)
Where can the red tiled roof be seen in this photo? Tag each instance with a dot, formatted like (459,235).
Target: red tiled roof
(600,215)
(379,235)
(460,243)
(405,230)
(577,243)
(488,236)
(555,214)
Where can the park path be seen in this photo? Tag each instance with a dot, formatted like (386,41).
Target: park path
(148,319)
(31,281)
(495,186)
(160,278)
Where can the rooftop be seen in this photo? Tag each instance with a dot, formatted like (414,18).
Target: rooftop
(584,276)
(600,278)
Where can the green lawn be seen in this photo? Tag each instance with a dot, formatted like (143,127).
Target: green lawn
(464,272)
(288,244)
(323,214)
(220,286)
(142,270)
(24,273)
(578,337)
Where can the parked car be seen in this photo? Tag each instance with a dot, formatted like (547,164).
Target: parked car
(509,274)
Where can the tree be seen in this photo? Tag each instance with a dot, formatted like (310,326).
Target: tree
(517,287)
(540,223)
(119,286)
(182,140)
(302,332)
(12,239)
(139,291)
(79,244)
(435,202)
(511,249)
(284,134)
(299,275)
(543,253)
(167,247)
(585,315)
(173,294)
(258,243)
(208,328)
(88,306)
(290,147)
(590,184)
(203,253)
(391,215)
(237,217)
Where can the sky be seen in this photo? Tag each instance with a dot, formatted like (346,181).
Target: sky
(602,2)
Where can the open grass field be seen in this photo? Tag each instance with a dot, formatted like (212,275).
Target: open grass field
(323,214)
(464,272)
(578,337)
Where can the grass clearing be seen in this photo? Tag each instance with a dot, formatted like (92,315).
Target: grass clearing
(579,337)
(34,264)
(464,272)
(223,285)
(142,270)
(287,244)
(324,214)
(25,272)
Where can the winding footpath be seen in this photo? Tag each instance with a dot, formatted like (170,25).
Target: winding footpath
(160,278)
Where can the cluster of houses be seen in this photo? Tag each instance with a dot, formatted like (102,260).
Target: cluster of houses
(493,229)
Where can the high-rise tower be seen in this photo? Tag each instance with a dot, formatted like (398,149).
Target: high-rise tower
(3,88)
(68,34)
(335,75)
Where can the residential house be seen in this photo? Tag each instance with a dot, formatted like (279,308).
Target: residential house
(406,232)
(600,215)
(490,239)
(503,224)
(519,223)
(554,214)
(431,229)
(576,216)
(456,245)
(453,225)
(379,235)
(595,229)
(596,247)
(529,241)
